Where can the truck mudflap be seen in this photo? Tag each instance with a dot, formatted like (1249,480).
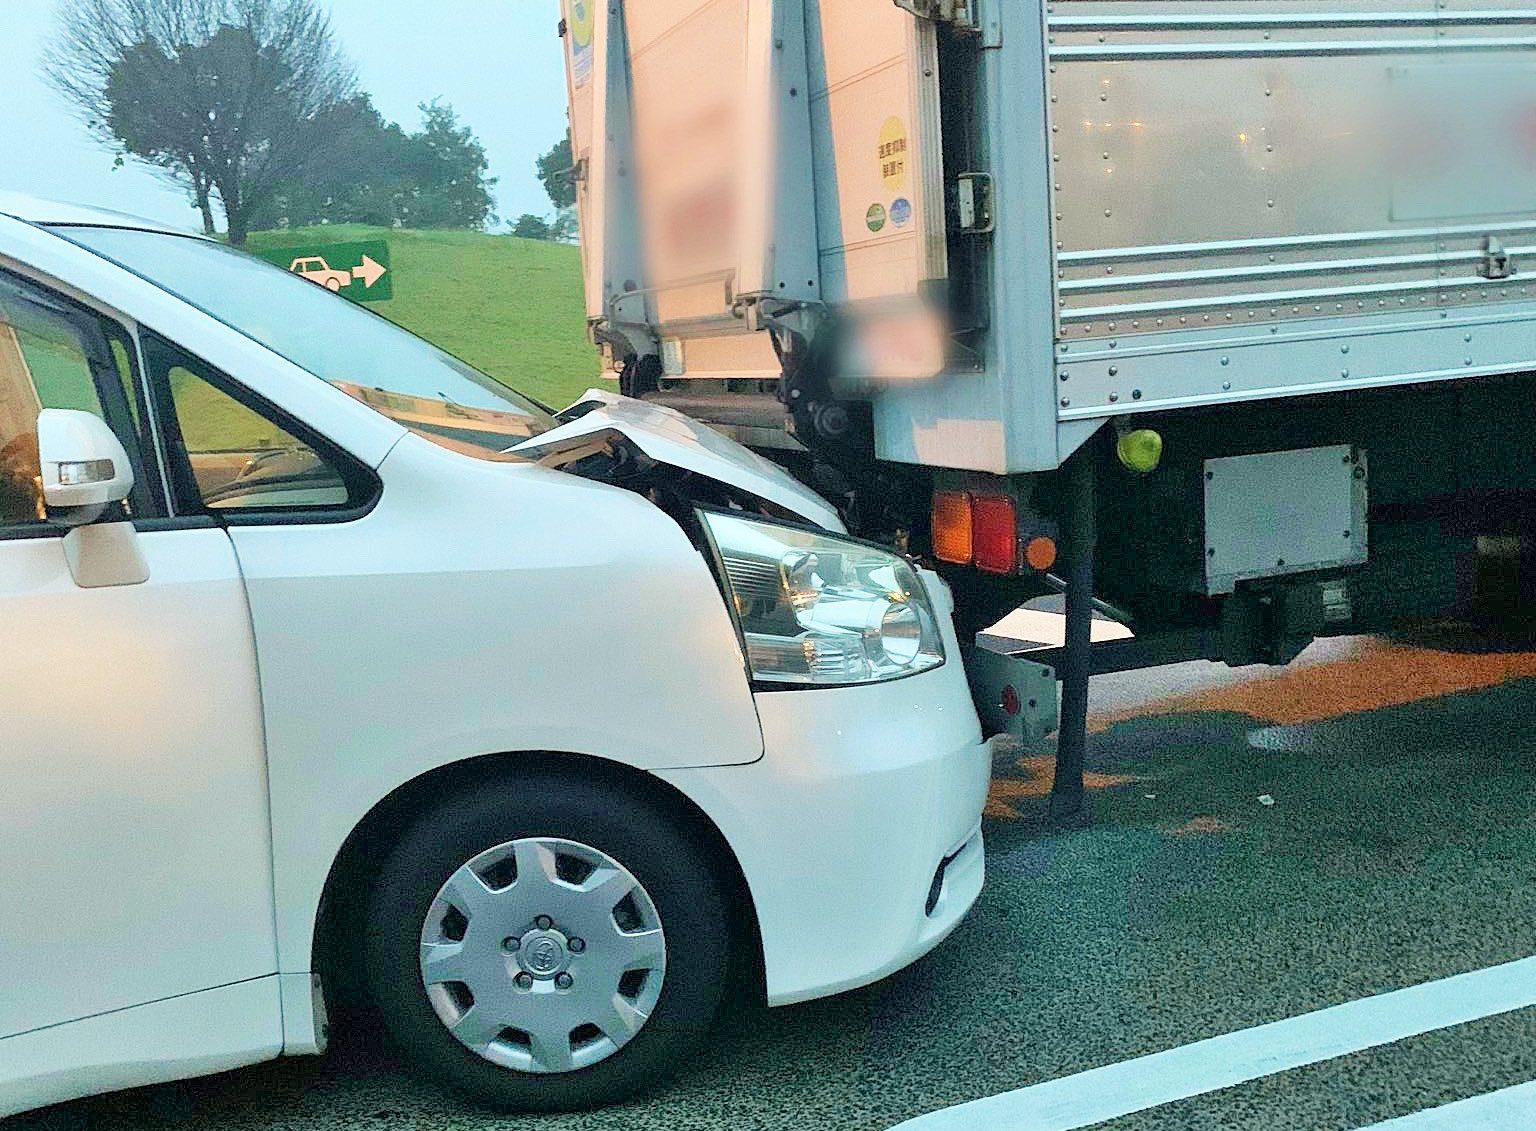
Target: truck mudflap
(1013,695)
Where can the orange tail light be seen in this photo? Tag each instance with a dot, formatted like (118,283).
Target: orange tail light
(952,527)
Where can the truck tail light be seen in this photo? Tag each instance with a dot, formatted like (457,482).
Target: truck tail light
(995,538)
(983,530)
(952,527)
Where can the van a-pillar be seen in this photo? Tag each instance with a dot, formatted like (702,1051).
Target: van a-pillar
(1068,804)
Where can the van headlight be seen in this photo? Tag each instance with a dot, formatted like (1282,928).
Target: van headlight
(820,610)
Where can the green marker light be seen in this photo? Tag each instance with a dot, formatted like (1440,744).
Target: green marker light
(1140,451)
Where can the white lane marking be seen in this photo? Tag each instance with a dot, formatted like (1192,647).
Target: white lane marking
(1220,1062)
(1508,1109)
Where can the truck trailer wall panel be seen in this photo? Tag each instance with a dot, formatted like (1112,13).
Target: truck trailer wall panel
(1255,164)
(602,138)
(691,151)
(580,32)
(1140,373)
(999,416)
(879,168)
(1250,203)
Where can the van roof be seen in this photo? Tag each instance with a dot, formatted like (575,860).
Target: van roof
(35,210)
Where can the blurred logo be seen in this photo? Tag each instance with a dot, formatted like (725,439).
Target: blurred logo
(903,341)
(583,20)
(893,154)
(581,25)
(901,212)
(1454,142)
(875,217)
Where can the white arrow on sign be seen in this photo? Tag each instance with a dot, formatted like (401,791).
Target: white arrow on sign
(370,272)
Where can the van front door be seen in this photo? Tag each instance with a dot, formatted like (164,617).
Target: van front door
(135,859)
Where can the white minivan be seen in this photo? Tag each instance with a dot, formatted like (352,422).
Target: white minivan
(325,658)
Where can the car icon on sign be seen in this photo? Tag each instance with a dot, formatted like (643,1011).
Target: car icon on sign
(317,270)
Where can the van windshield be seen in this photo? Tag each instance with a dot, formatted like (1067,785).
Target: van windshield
(411,381)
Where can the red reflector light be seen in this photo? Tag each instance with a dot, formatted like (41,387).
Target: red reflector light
(995,542)
(1040,554)
(1011,703)
(951,529)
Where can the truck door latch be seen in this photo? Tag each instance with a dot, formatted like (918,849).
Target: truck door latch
(973,203)
(1497,263)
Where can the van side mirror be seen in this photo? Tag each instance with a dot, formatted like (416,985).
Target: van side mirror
(84,466)
(84,471)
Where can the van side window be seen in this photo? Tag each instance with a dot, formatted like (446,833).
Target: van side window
(55,355)
(20,491)
(231,454)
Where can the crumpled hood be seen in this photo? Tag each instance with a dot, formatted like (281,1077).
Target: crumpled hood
(668,437)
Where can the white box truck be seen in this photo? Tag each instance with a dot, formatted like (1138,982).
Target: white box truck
(1232,300)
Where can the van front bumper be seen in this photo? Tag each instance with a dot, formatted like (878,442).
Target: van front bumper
(859,831)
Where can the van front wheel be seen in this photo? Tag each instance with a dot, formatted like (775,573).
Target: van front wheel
(544,943)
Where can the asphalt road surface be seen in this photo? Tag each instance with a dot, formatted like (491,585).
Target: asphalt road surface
(1265,844)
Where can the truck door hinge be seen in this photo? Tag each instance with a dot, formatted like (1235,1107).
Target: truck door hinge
(1497,262)
(961,13)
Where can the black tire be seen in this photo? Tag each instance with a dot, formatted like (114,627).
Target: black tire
(651,842)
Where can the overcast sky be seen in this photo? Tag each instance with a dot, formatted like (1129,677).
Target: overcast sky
(498,62)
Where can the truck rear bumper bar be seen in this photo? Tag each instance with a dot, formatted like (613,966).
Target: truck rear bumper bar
(1014,695)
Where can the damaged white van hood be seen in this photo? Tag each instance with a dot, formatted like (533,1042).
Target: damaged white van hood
(667,436)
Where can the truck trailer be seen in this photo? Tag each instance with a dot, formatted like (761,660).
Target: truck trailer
(1217,315)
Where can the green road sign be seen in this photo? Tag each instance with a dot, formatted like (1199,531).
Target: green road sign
(358,271)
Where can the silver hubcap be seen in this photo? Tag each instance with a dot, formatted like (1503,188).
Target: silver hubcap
(543,955)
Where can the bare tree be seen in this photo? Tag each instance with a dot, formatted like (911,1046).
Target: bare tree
(224,97)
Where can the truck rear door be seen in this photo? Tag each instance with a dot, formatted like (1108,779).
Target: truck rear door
(743,158)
